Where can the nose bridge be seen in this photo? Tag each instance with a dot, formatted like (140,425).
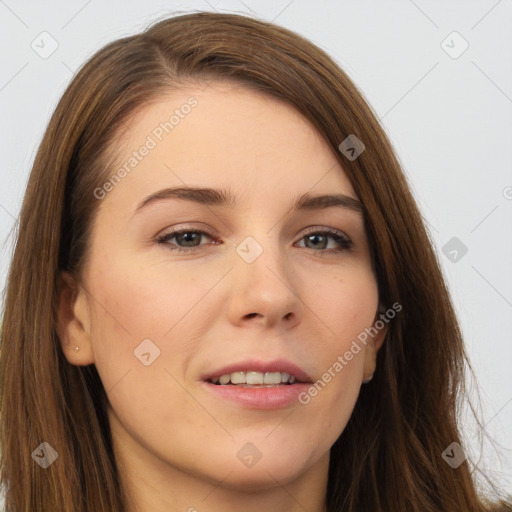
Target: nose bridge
(260,254)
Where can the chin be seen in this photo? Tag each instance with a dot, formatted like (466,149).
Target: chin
(274,468)
(260,478)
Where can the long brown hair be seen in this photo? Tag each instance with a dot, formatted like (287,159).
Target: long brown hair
(388,458)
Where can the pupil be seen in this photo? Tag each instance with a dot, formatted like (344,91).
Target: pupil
(312,237)
(188,237)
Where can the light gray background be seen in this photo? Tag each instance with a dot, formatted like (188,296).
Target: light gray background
(448,118)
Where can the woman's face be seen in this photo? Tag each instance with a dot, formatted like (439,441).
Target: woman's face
(252,284)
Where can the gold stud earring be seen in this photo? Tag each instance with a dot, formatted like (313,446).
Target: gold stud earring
(77,348)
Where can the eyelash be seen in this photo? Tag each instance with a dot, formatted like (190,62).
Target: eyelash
(345,242)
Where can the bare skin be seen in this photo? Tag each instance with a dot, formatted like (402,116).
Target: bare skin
(303,299)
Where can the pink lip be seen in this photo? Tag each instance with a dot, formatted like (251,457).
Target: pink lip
(260,397)
(278,365)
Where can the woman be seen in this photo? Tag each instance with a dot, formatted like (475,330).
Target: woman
(215,300)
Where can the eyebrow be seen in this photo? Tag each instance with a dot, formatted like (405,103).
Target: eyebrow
(221,197)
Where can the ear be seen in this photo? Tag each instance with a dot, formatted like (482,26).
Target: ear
(73,321)
(379,330)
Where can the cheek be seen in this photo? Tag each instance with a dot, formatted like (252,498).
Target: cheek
(140,368)
(135,302)
(145,329)
(346,305)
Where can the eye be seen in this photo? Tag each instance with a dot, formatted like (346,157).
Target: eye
(190,238)
(319,240)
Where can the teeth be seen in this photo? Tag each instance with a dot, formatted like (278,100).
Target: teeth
(273,378)
(224,379)
(255,378)
(238,378)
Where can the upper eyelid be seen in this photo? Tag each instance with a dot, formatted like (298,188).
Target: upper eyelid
(185,229)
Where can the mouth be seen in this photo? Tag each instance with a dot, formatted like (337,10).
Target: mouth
(254,384)
(255,379)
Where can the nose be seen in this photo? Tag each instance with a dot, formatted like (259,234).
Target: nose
(264,291)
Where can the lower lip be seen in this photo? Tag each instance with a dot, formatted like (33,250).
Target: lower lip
(259,398)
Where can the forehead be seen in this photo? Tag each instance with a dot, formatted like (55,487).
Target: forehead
(227,136)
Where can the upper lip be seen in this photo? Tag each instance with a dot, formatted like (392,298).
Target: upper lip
(277,365)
